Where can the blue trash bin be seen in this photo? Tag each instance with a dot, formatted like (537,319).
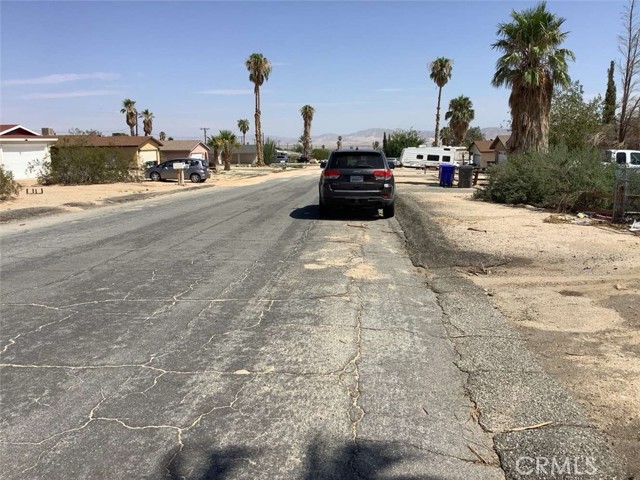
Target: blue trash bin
(446,173)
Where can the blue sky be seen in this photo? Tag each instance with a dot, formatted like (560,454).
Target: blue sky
(359,64)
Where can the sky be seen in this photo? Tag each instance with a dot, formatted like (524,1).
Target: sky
(361,64)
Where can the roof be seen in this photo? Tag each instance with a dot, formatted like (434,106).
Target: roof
(246,149)
(483,145)
(504,139)
(116,141)
(181,145)
(14,130)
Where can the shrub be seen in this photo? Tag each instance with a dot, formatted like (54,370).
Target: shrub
(320,153)
(77,164)
(9,188)
(557,179)
(269,151)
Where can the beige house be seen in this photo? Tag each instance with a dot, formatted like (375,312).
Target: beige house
(244,155)
(171,149)
(500,145)
(141,150)
(482,154)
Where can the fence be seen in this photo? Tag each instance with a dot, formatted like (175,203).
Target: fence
(626,193)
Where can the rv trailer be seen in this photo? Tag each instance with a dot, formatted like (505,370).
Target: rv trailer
(423,156)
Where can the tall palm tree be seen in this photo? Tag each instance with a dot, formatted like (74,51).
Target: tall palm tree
(243,126)
(130,114)
(147,122)
(532,63)
(460,115)
(227,142)
(339,142)
(440,73)
(307,116)
(259,70)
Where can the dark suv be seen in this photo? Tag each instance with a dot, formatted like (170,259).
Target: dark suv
(359,178)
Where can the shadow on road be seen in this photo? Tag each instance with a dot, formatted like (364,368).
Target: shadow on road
(322,461)
(312,212)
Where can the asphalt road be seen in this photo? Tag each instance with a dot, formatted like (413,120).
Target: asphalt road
(227,333)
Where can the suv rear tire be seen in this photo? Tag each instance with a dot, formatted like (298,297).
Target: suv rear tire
(389,211)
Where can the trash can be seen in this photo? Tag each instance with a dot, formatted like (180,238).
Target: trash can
(465,175)
(445,173)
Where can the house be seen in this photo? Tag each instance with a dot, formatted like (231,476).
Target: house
(171,149)
(244,155)
(141,150)
(500,145)
(482,154)
(20,147)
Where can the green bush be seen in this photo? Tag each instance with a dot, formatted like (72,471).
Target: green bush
(82,165)
(269,151)
(9,188)
(320,153)
(557,179)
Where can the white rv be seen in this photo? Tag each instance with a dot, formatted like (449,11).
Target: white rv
(630,158)
(423,156)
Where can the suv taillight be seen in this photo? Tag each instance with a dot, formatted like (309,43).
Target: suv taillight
(331,174)
(383,174)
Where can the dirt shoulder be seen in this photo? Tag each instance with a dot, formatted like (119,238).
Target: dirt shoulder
(38,200)
(571,290)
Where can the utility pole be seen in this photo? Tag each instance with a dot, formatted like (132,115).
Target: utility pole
(205,133)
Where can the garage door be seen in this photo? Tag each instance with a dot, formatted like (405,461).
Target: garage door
(198,155)
(16,159)
(148,156)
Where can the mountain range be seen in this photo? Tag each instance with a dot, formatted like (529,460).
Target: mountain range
(365,138)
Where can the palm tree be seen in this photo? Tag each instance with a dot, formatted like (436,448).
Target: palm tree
(243,126)
(460,115)
(447,137)
(259,70)
(339,142)
(375,145)
(130,114)
(226,141)
(147,122)
(531,65)
(211,143)
(440,73)
(307,116)
(163,136)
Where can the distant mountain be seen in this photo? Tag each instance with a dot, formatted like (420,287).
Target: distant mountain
(365,138)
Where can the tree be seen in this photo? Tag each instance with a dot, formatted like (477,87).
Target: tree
(259,70)
(629,67)
(339,142)
(307,117)
(147,122)
(270,149)
(400,139)
(440,73)
(573,121)
(77,131)
(474,134)
(384,142)
(243,126)
(226,141)
(532,63)
(163,136)
(447,136)
(130,114)
(375,145)
(609,111)
(460,115)
(213,145)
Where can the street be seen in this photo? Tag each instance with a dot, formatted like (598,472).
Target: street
(228,333)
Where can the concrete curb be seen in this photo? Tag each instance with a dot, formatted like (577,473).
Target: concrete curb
(505,381)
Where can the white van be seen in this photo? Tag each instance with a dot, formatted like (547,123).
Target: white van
(630,158)
(423,156)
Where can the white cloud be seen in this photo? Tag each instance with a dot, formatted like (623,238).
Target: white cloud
(62,78)
(227,92)
(77,93)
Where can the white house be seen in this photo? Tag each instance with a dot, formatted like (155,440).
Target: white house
(20,146)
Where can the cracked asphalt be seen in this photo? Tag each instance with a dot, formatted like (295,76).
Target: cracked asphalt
(227,334)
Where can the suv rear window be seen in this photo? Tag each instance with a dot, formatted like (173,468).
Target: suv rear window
(356,160)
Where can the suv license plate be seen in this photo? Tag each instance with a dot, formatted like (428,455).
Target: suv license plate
(357,178)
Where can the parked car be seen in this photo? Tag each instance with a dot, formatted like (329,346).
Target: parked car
(393,162)
(195,170)
(357,178)
(304,159)
(282,158)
